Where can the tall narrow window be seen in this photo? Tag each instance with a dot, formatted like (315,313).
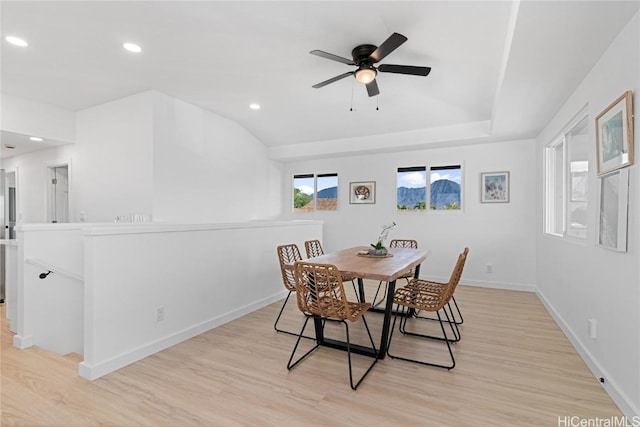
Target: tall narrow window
(446,187)
(566,175)
(327,192)
(411,188)
(303,193)
(577,153)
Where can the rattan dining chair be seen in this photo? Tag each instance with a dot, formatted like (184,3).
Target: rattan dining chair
(287,256)
(395,243)
(320,293)
(314,249)
(432,297)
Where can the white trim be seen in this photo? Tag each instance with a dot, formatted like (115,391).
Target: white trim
(626,405)
(96,371)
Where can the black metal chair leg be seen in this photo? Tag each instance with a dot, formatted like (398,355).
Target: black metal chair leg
(375,360)
(445,339)
(300,335)
(456,321)
(402,327)
(275,325)
(374,303)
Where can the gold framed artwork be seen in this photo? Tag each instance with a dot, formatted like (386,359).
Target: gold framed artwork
(362,192)
(614,135)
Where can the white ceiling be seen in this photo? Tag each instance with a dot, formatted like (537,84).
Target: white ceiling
(500,69)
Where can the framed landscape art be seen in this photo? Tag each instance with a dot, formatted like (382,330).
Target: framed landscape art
(614,135)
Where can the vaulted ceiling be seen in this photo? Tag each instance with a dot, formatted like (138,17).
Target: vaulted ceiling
(500,69)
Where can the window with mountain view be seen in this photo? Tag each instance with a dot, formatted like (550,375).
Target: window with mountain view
(315,192)
(445,189)
(327,190)
(411,188)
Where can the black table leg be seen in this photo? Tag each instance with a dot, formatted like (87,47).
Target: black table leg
(361,289)
(382,351)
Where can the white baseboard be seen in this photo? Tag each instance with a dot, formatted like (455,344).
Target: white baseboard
(97,370)
(23,342)
(626,405)
(486,284)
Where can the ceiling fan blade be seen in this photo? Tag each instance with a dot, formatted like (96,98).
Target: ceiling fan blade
(404,69)
(388,46)
(331,56)
(333,79)
(372,88)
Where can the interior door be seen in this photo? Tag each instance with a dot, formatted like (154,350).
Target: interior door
(59,194)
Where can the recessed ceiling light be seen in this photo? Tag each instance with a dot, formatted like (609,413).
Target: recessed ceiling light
(16,41)
(36,138)
(254,106)
(132,47)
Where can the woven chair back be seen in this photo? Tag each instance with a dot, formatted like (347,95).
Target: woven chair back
(456,275)
(287,256)
(403,243)
(319,290)
(313,248)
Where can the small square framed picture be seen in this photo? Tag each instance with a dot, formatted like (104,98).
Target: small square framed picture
(362,192)
(495,187)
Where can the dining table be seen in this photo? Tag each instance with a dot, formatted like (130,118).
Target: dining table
(386,268)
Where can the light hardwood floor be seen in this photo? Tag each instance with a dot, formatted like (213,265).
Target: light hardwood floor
(514,368)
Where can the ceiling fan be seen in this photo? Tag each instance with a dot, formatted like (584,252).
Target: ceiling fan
(364,56)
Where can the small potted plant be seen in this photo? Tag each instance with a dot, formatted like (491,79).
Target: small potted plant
(378,249)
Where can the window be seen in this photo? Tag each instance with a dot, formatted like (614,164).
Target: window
(444,191)
(566,175)
(327,190)
(311,192)
(411,188)
(445,188)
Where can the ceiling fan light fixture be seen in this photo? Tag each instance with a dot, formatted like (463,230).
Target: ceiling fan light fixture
(366,75)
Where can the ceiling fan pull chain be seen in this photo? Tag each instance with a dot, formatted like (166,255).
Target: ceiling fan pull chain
(377,103)
(351,109)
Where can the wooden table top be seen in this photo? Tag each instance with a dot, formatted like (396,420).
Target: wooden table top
(386,269)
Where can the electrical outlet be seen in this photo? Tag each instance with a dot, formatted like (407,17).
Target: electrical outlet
(160,313)
(489,268)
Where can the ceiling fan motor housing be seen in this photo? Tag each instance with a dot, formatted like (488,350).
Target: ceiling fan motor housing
(361,54)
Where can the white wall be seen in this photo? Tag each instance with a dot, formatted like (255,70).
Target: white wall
(206,167)
(32,179)
(114,168)
(202,276)
(149,153)
(581,281)
(23,116)
(501,234)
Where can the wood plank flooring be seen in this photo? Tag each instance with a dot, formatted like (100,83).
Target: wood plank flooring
(514,368)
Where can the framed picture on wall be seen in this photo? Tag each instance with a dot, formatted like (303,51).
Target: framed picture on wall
(614,135)
(495,187)
(362,192)
(612,210)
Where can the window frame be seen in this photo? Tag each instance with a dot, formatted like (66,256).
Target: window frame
(428,168)
(314,201)
(559,192)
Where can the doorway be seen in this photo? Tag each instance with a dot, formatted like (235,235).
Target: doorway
(58,194)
